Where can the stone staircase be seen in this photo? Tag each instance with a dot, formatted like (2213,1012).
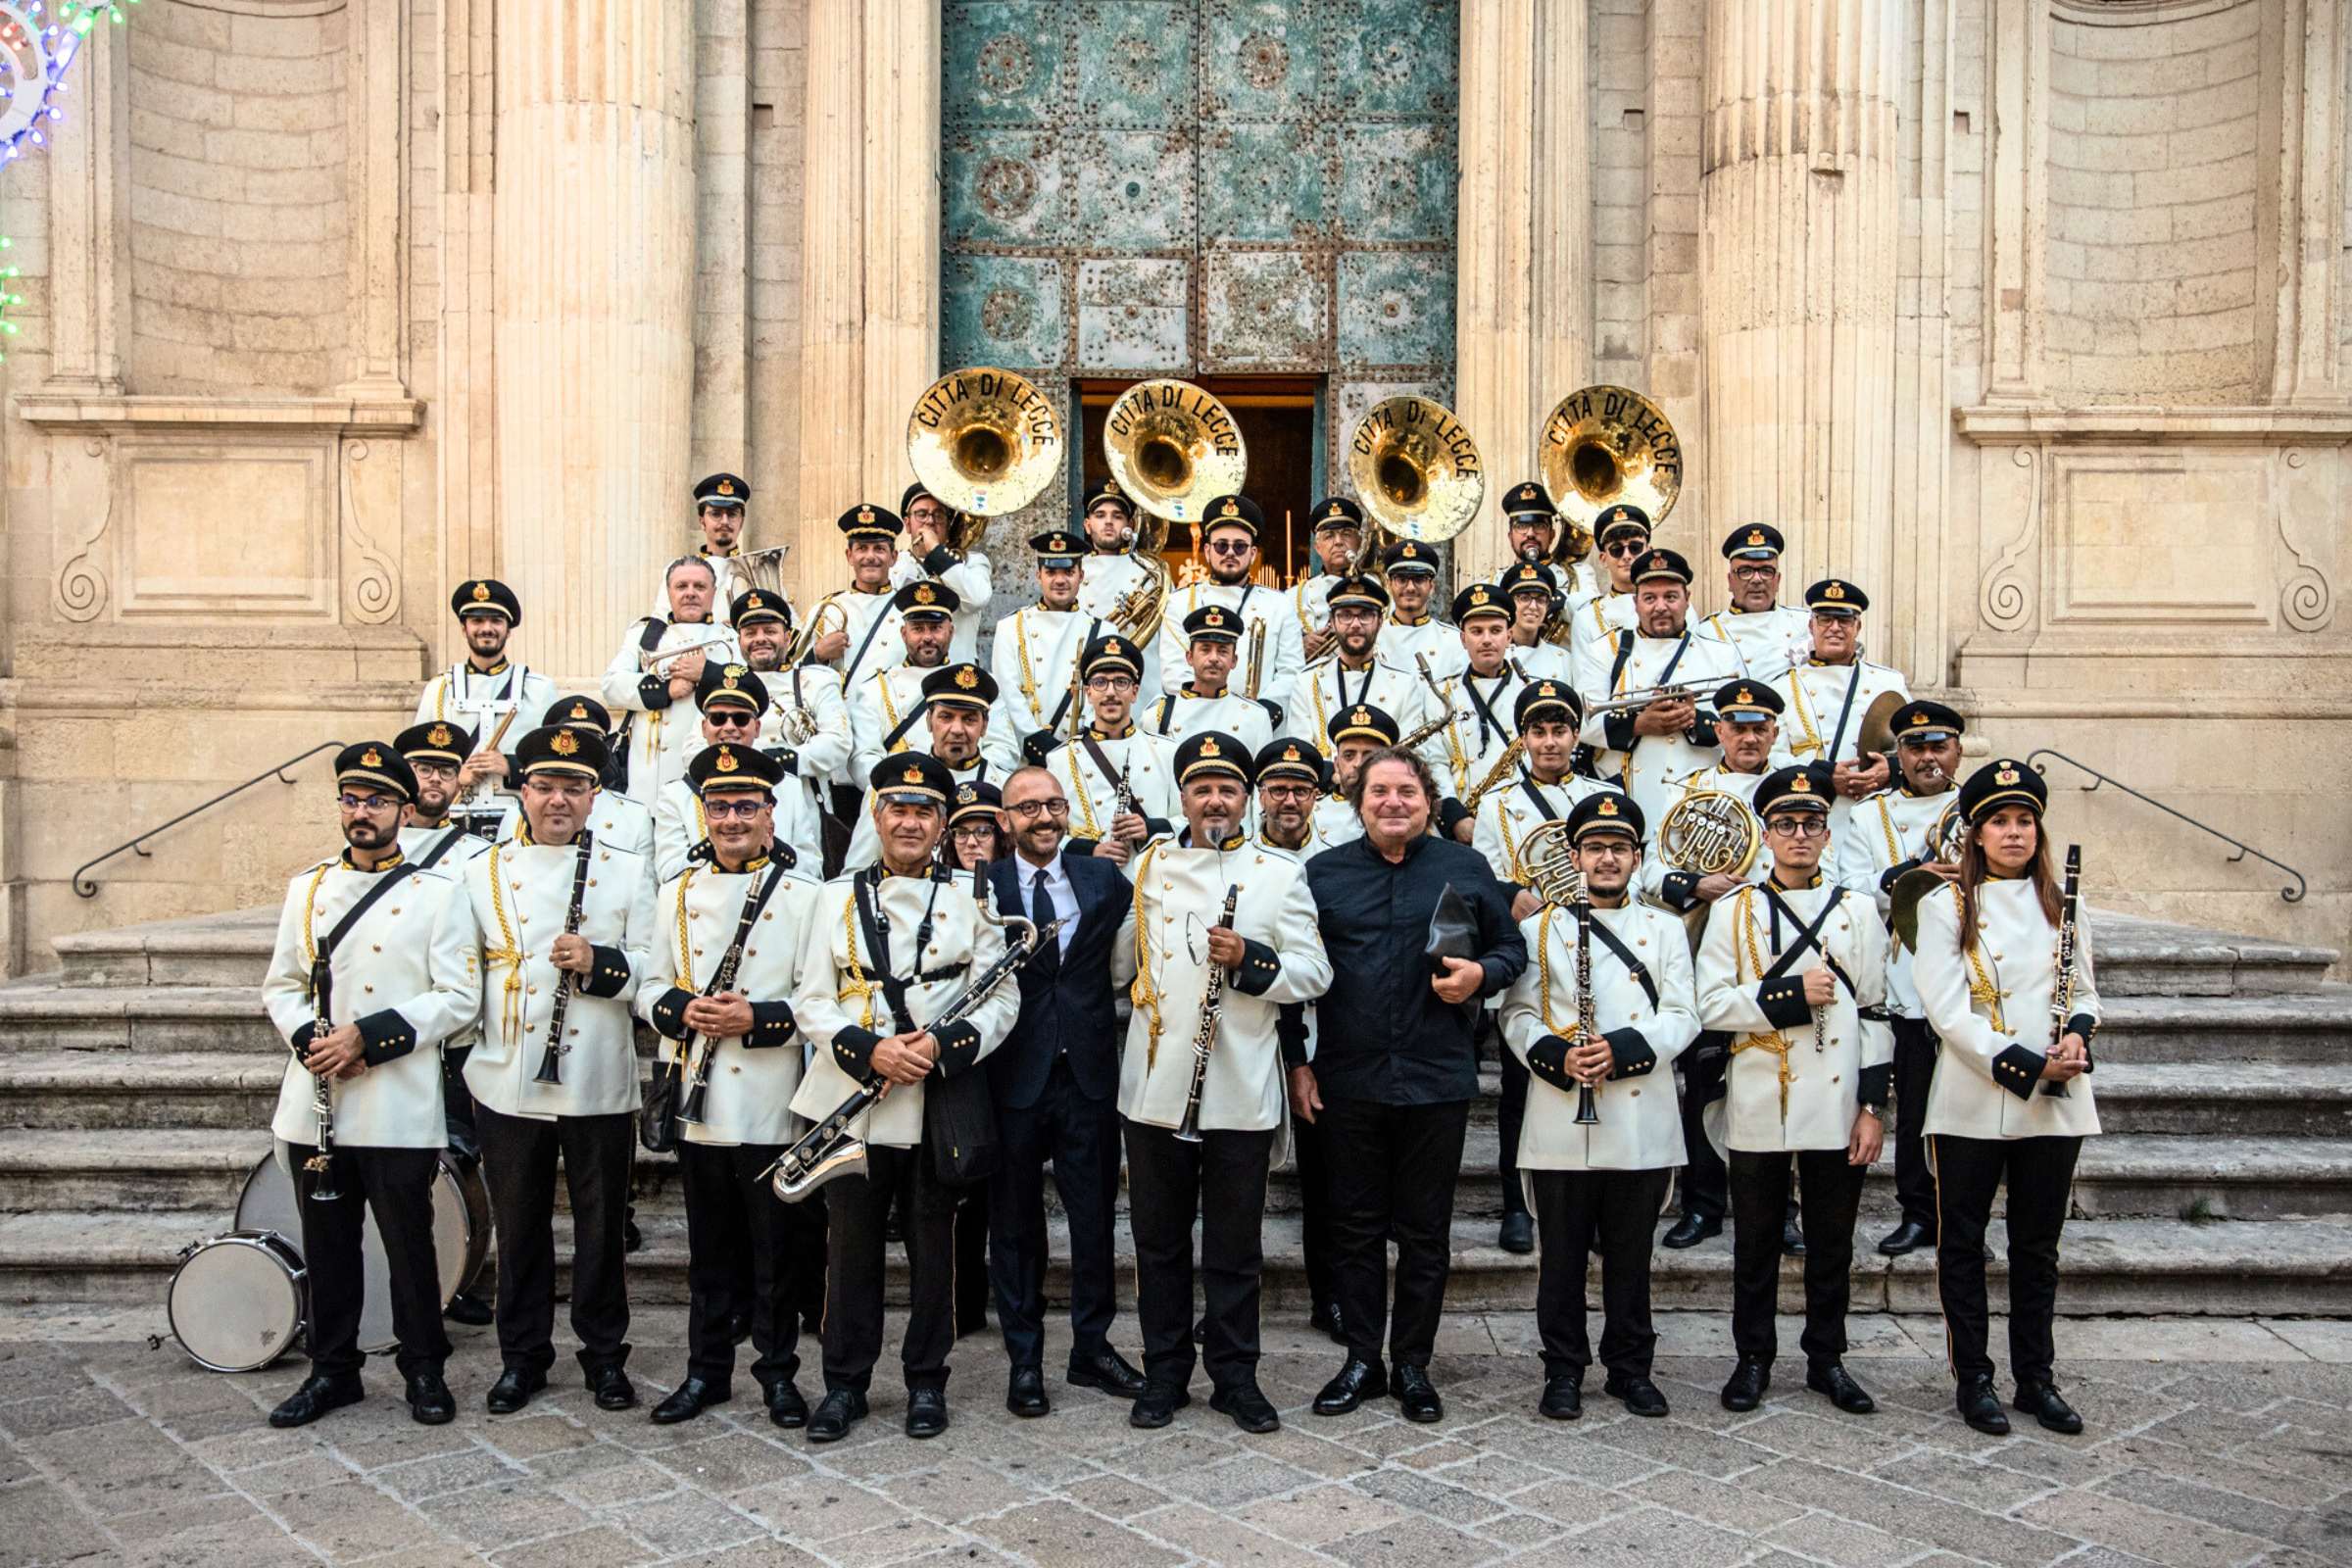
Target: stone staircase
(137,1082)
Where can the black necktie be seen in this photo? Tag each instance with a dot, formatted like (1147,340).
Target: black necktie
(1042,910)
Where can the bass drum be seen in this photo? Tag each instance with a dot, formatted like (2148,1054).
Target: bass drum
(239,1301)
(461,1236)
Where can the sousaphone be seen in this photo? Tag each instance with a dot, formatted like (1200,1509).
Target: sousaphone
(985,442)
(1601,446)
(1173,447)
(1417,469)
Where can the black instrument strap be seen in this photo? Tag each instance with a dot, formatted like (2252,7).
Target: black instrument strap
(1625,653)
(432,857)
(1070,692)
(723,978)
(1633,965)
(648,641)
(1808,935)
(849,669)
(875,921)
(1485,709)
(1094,749)
(922,706)
(323,978)
(1853,689)
(1526,782)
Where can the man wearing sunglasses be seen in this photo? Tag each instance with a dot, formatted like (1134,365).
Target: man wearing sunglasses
(1795,970)
(1270,638)
(1119,780)
(1771,638)
(1620,538)
(732,700)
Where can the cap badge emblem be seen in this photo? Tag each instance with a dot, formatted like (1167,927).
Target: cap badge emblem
(1362,715)
(2007,774)
(726,763)
(967,677)
(912,775)
(563,743)
(1834,591)
(1755,536)
(726,487)
(866,514)
(579,710)
(923,593)
(1289,754)
(482,592)
(1229,509)
(965,795)
(1800,784)
(1606,808)
(438,735)
(370,759)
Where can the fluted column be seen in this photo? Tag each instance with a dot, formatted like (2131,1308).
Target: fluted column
(1799,277)
(595,252)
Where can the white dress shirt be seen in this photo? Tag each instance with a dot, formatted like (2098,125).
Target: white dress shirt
(1058,883)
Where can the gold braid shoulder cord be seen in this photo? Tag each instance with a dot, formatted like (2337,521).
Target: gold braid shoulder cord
(310,906)
(1777,1043)
(509,1013)
(1142,992)
(685,980)
(890,710)
(1804,715)
(1543,970)
(1021,641)
(1895,847)
(1085,798)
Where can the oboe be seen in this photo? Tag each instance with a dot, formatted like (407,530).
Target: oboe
(551,1065)
(1204,1039)
(1587,1098)
(2062,984)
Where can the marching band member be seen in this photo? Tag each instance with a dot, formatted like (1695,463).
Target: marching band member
(1783,962)
(1355,736)
(1606,1178)
(1641,749)
(724,960)
(484,689)
(1534,592)
(886,710)
(1827,694)
(561,924)
(1990,983)
(968,577)
(720,504)
(654,743)
(855,627)
(889,947)
(1887,837)
(1409,629)
(368,976)
(1353,671)
(1531,525)
(1113,573)
(1620,539)
(618,822)
(1112,754)
(1035,659)
(1482,693)
(1543,790)
(1270,638)
(1263,954)
(1770,638)
(436,753)
(953,706)
(806,729)
(1338,543)
(732,700)
(1212,636)
(1055,1083)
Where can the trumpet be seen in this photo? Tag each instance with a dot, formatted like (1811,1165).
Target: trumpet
(649,661)
(1635,701)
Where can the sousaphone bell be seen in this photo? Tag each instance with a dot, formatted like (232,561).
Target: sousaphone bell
(984,442)
(1416,469)
(1173,447)
(1602,446)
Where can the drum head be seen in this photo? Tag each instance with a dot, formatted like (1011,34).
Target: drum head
(236,1303)
(461,1236)
(267,1203)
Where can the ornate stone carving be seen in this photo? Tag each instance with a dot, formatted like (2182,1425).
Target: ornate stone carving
(2006,596)
(2305,599)
(371,591)
(80,592)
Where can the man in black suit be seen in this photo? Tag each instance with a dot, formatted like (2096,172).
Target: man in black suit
(1056,1080)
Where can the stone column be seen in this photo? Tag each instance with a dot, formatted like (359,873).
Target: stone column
(594,298)
(1798,250)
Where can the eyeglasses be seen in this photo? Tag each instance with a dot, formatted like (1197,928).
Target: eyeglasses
(1111,683)
(981,832)
(1800,827)
(1029,810)
(1287,792)
(1755,573)
(570,790)
(366,803)
(747,810)
(1624,547)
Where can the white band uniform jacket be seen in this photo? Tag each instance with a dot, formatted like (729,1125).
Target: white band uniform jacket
(822,757)
(866,840)
(1676,890)
(843,1013)
(511,905)
(1034,660)
(1179,895)
(1105,581)
(1640,1126)
(679,825)
(417,842)
(1643,764)
(667,731)
(882,704)
(1333,822)
(1148,764)
(1542,661)
(1769,642)
(1986,1082)
(1510,814)
(1466,750)
(860,610)
(1188,713)
(1265,615)
(404,974)
(1813,695)
(464,694)
(1594,624)
(616,821)
(1885,831)
(1403,641)
(1326,690)
(1824,1089)
(694,919)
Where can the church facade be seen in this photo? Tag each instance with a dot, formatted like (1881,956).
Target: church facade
(2028,315)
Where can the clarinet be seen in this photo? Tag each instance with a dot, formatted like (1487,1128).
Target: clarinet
(1213,1003)
(2062,985)
(1587,1098)
(698,1090)
(1123,790)
(551,1065)
(322,1095)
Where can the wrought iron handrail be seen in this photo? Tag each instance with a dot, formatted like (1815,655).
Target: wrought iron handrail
(2292,895)
(87,886)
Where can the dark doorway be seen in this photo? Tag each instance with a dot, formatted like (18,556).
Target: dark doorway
(1281,418)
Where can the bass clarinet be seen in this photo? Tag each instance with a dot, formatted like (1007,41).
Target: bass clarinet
(551,1064)
(1204,1038)
(2062,984)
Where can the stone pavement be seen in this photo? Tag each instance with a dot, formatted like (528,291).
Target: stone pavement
(2212,1442)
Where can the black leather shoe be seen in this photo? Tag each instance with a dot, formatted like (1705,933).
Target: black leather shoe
(1793,1239)
(429,1401)
(836,1413)
(1980,1407)
(926,1412)
(1025,1394)
(512,1391)
(785,1407)
(631,1237)
(468,1309)
(317,1395)
(1326,1320)
(1357,1382)
(1518,1233)
(1108,1371)
(1250,1409)
(1563,1398)
(1158,1405)
(1908,1236)
(1416,1396)
(1838,1384)
(1692,1229)
(613,1388)
(1641,1395)
(689,1400)
(2041,1401)
(1749,1379)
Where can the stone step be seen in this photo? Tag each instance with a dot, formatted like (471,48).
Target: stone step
(65,1090)
(2314,1026)
(185,1168)
(231,948)
(41,1014)
(2229,1100)
(2141,957)
(2120,1266)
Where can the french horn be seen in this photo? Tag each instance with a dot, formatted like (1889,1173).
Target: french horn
(1547,864)
(1602,446)
(1417,469)
(1711,833)
(984,442)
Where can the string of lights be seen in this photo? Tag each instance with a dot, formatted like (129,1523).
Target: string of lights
(38,40)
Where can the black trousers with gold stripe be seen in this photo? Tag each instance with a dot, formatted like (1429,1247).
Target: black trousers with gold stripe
(2039,1173)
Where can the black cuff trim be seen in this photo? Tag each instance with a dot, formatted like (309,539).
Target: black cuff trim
(1258,969)
(959,1047)
(302,1037)
(670,1013)
(940,561)
(1617,729)
(771,1025)
(1289,1033)
(1036,746)
(2084,1024)
(1784,1001)
(654,692)
(1636,1057)
(385,1036)
(2017,1070)
(1680,889)
(1452,813)
(1701,733)
(607,972)
(1273,710)
(1084,847)
(1894,873)
(1873,1087)
(1157,827)
(1547,1060)
(786,757)
(854,1050)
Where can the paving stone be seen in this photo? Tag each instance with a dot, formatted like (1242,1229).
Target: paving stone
(1412,1542)
(2229,1509)
(213,1510)
(1715,1501)
(1059,1534)
(1572,1502)
(1232,1483)
(1671,1441)
(685,1522)
(1424,1495)
(1324,1514)
(962,1489)
(2166,1538)
(254,1543)
(1114,1496)
(820,1512)
(1218,1539)
(732,1463)
(351,1519)
(1979,1484)
(500,1515)
(1844,1541)
(601,1547)
(1647,1537)
(529,1437)
(891,1544)
(443,1473)
(44,1526)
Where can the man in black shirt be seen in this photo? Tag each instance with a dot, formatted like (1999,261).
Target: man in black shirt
(1396,1067)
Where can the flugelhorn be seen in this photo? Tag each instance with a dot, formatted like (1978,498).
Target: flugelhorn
(649,661)
(984,442)
(1602,446)
(1417,469)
